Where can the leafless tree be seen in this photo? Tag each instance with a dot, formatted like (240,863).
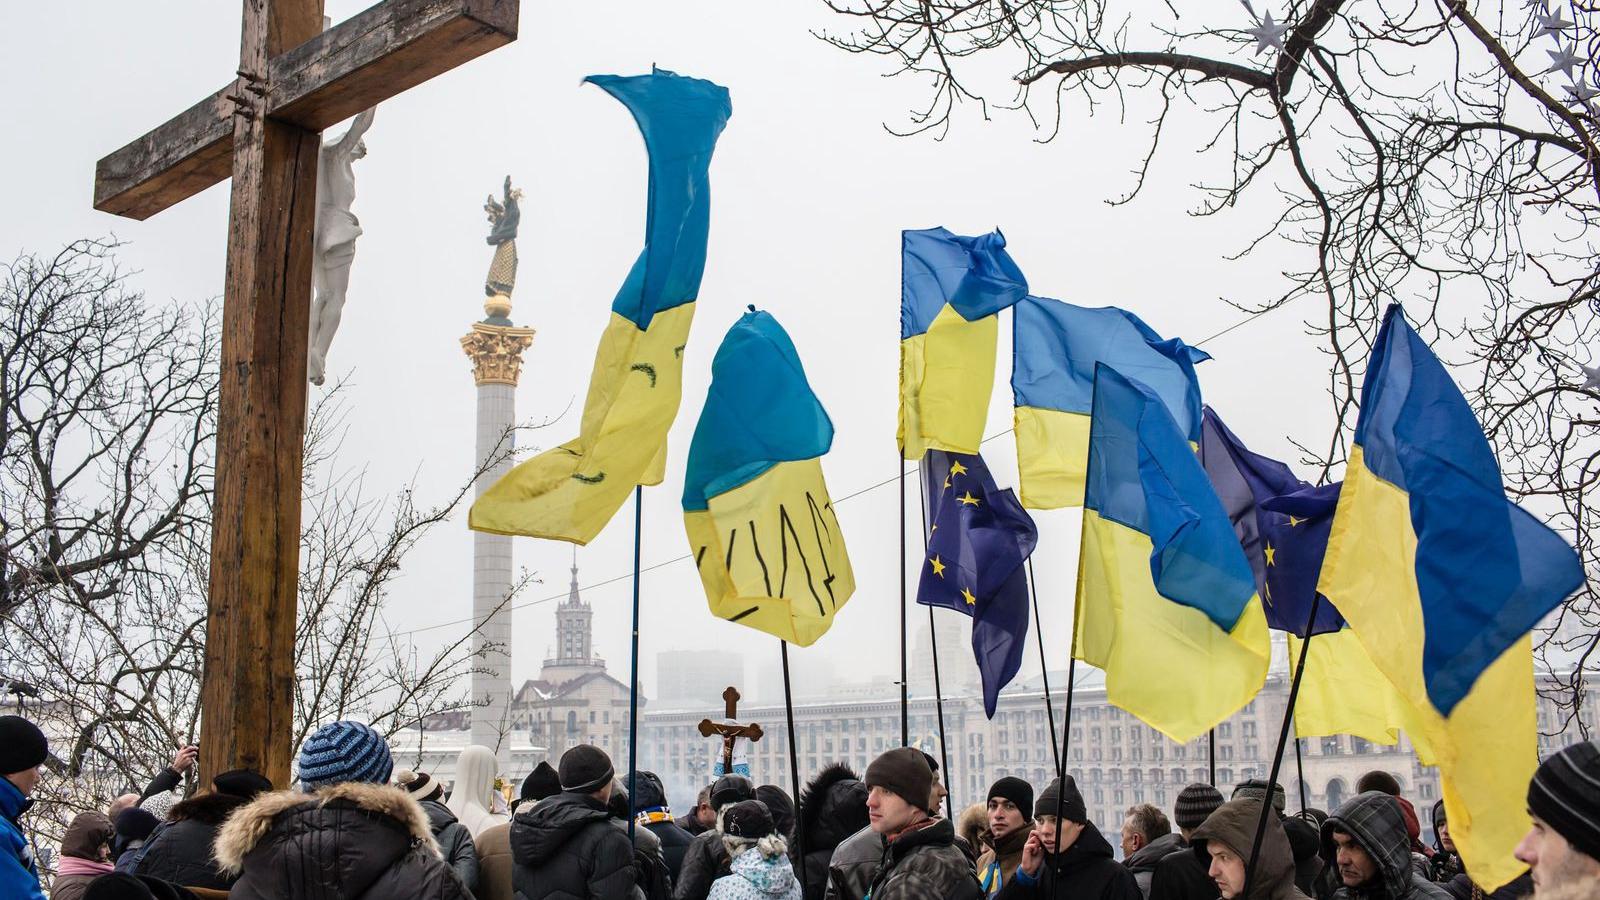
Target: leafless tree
(109,416)
(1439,153)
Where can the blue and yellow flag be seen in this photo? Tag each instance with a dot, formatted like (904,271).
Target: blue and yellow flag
(952,289)
(1055,348)
(570,493)
(1167,605)
(1441,578)
(978,540)
(760,524)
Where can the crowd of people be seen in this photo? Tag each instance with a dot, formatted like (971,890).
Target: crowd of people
(356,828)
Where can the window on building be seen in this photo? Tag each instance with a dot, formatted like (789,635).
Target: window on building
(1225,730)
(1225,751)
(591,717)
(1330,745)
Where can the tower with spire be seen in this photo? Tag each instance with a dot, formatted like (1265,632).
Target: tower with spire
(495,346)
(574,652)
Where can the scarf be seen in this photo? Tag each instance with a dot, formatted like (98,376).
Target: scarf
(653,814)
(72,865)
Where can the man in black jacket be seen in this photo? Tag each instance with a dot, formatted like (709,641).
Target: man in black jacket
(920,857)
(706,860)
(566,845)
(1181,875)
(651,811)
(1070,849)
(179,849)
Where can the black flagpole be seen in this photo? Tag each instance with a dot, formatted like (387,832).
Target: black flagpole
(933,644)
(1044,670)
(1300,773)
(905,698)
(794,766)
(1066,724)
(1211,740)
(633,688)
(1283,739)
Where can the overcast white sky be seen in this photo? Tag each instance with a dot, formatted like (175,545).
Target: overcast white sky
(809,195)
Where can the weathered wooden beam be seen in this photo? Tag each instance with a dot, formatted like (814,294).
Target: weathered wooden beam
(355,65)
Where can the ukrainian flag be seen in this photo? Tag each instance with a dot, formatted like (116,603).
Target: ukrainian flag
(570,493)
(1055,348)
(1167,604)
(760,524)
(952,288)
(1441,578)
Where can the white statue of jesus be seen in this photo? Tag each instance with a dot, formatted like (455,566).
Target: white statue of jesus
(336,231)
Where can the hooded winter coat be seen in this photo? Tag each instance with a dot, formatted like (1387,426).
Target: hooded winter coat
(925,863)
(1089,871)
(1000,859)
(1445,864)
(757,877)
(1142,862)
(342,842)
(455,842)
(650,805)
(1375,821)
(179,850)
(1234,825)
(566,848)
(853,864)
(704,862)
(833,806)
(19,877)
(85,851)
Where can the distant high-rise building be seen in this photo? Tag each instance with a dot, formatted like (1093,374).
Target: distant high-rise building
(695,679)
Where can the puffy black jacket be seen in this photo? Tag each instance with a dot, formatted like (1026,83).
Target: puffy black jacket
(455,842)
(674,844)
(853,865)
(567,848)
(1180,875)
(925,863)
(833,806)
(1088,872)
(179,850)
(705,861)
(343,842)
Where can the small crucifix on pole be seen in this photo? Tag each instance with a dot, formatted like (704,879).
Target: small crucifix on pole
(263,129)
(729,728)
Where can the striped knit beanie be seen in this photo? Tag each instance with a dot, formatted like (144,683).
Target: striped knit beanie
(418,785)
(1565,793)
(1195,804)
(344,751)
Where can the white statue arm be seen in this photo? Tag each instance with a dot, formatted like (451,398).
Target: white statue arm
(348,141)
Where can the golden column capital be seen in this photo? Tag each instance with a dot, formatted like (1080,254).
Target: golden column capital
(496,352)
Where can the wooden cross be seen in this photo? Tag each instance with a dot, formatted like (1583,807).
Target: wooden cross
(294,80)
(730,729)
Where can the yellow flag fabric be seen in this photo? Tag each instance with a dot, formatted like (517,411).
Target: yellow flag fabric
(570,492)
(1343,692)
(770,553)
(1149,646)
(946,378)
(1052,451)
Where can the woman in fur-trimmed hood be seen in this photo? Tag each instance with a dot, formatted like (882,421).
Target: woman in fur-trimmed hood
(342,842)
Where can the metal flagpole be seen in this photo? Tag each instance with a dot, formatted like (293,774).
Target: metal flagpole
(1283,739)
(1300,774)
(794,766)
(933,643)
(1066,727)
(633,686)
(1044,670)
(1211,740)
(905,698)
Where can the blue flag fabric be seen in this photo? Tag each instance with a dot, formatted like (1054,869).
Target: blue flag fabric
(1284,547)
(978,539)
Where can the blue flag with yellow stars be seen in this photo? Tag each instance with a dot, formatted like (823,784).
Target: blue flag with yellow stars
(978,538)
(1284,546)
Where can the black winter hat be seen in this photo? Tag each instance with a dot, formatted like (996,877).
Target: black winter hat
(648,792)
(1378,780)
(1305,839)
(1565,794)
(585,769)
(731,789)
(22,745)
(781,807)
(749,819)
(1019,792)
(246,783)
(135,824)
(541,784)
(903,771)
(1256,789)
(1070,800)
(1195,804)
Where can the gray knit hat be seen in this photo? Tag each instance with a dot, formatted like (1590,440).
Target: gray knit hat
(1195,803)
(1256,789)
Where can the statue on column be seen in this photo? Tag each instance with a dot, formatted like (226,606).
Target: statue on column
(335,242)
(504,217)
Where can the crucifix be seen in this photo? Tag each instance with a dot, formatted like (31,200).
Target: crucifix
(729,728)
(263,129)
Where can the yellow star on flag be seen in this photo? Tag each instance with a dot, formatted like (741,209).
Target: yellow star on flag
(938,565)
(967,596)
(1294,522)
(947,484)
(1271,555)
(956,468)
(967,499)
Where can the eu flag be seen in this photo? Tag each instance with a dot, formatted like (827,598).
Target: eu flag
(1283,544)
(978,538)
